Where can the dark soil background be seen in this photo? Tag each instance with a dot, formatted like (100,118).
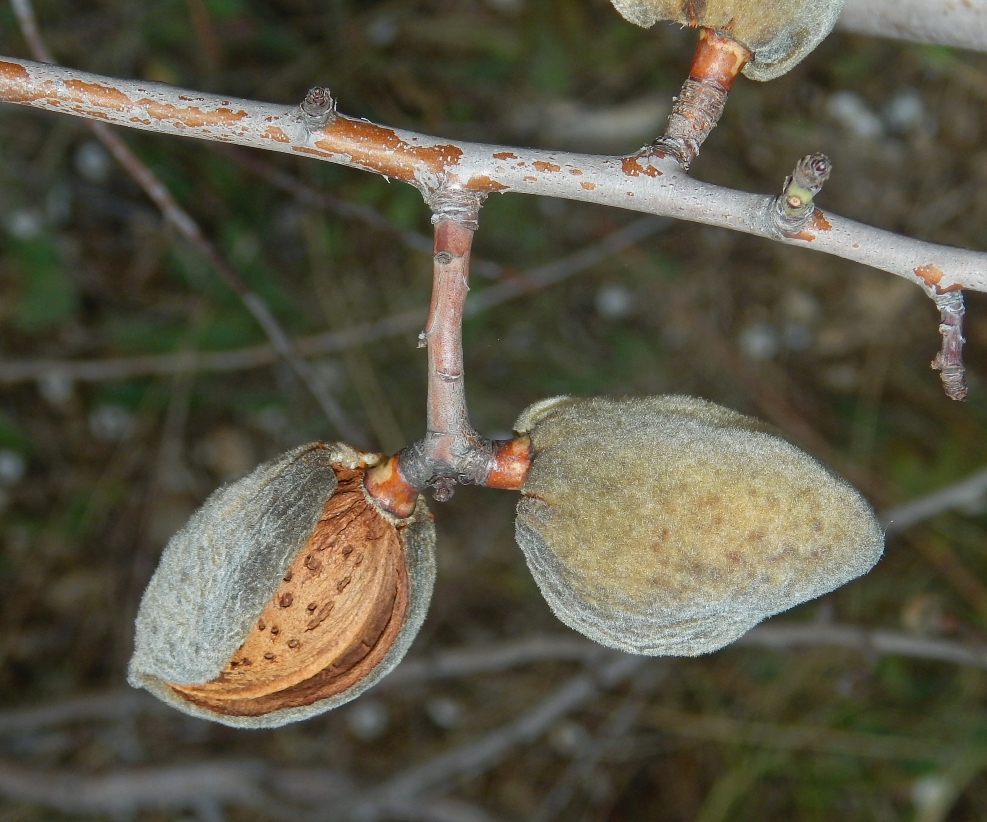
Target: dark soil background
(96,474)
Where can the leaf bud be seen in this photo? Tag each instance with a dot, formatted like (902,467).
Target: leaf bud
(671,526)
(287,594)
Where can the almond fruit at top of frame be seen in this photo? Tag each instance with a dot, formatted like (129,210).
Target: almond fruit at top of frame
(779,33)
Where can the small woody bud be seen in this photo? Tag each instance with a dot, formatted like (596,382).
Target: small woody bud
(671,526)
(288,593)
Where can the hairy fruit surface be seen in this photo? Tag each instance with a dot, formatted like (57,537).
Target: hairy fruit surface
(671,526)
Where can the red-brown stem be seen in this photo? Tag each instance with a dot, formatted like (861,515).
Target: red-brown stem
(696,111)
(388,487)
(949,360)
(449,428)
(451,451)
(510,463)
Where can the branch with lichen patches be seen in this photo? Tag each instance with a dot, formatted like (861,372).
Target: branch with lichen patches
(648,181)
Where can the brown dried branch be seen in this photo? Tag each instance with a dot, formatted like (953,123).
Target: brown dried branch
(488,751)
(190,230)
(179,787)
(949,361)
(641,182)
(116,706)
(207,787)
(780,635)
(618,724)
(498,657)
(14,371)
(803,737)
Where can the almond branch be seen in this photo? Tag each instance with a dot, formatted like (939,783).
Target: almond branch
(644,181)
(452,451)
(924,21)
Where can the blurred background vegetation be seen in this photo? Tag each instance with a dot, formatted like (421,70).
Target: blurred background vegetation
(96,474)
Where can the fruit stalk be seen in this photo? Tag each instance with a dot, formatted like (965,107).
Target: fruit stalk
(715,65)
(452,451)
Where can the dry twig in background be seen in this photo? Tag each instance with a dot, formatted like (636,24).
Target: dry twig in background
(189,229)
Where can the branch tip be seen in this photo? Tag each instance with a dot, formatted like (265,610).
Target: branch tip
(949,361)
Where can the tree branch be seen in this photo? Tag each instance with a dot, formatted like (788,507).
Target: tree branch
(648,181)
(949,23)
(968,493)
(451,451)
(489,750)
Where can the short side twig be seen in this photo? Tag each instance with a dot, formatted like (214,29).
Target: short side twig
(452,451)
(699,106)
(949,361)
(189,229)
(794,208)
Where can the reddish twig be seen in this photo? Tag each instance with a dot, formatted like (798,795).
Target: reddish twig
(452,451)
(696,111)
(189,229)
(949,361)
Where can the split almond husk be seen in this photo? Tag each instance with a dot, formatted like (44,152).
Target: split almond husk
(287,594)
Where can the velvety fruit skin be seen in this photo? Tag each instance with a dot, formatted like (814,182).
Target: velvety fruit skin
(217,574)
(778,32)
(671,526)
